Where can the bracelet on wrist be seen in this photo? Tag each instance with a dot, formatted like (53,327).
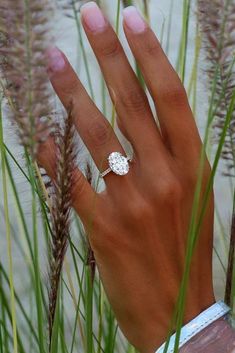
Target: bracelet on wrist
(204,319)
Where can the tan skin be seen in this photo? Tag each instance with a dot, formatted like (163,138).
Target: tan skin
(140,222)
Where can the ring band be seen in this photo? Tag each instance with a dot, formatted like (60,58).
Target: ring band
(118,164)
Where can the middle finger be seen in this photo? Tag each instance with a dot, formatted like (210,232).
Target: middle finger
(134,112)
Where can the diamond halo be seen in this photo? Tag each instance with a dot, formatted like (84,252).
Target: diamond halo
(118,164)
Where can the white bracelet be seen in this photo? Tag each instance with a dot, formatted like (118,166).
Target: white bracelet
(207,317)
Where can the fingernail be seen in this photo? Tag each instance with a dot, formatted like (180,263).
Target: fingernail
(93,17)
(133,19)
(56,61)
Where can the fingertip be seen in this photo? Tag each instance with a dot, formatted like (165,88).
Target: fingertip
(56,61)
(93,17)
(133,20)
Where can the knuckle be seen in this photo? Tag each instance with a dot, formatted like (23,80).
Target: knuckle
(133,101)
(139,209)
(109,48)
(99,131)
(153,48)
(78,185)
(171,191)
(192,177)
(73,93)
(174,94)
(72,90)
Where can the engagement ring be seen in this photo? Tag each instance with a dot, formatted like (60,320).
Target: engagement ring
(118,164)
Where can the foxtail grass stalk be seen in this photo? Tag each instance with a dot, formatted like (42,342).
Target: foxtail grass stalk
(60,216)
(217,23)
(25,26)
(217,27)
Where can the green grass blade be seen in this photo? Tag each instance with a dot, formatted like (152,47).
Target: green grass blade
(169,26)
(38,286)
(84,55)
(197,226)
(184,40)
(89,311)
(8,234)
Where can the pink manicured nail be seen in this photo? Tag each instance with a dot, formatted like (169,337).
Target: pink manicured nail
(56,61)
(93,17)
(133,19)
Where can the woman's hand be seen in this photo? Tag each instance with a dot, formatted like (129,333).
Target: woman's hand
(138,226)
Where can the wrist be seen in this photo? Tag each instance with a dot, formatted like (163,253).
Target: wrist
(152,331)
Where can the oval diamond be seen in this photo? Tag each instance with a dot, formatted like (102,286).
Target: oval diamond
(118,163)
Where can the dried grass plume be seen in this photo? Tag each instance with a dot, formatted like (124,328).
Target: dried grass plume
(24,38)
(60,213)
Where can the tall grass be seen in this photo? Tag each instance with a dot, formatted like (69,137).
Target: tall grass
(82,319)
